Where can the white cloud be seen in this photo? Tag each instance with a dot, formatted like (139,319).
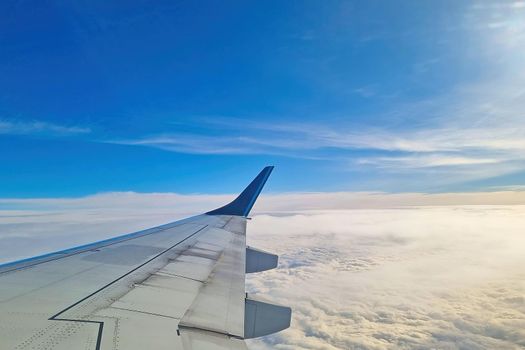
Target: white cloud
(420,161)
(38,127)
(445,278)
(200,144)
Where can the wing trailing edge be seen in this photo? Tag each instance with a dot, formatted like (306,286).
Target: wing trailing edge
(242,205)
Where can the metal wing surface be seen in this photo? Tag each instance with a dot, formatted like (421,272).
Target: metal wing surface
(175,286)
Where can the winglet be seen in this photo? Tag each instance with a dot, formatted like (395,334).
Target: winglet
(242,205)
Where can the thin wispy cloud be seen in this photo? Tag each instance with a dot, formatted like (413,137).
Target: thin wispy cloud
(12,127)
(465,141)
(289,137)
(424,161)
(202,144)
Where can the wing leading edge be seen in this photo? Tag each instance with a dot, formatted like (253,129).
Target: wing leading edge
(179,286)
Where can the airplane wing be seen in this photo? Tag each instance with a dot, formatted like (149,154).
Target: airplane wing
(179,286)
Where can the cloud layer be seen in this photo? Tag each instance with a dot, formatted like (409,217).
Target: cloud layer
(420,278)
(36,127)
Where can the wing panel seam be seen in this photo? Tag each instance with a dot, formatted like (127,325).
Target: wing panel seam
(101,323)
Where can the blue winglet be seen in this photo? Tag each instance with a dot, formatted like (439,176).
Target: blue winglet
(242,205)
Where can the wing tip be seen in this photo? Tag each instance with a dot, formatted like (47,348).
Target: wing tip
(242,205)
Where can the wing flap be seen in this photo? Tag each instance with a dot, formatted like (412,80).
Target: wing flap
(219,306)
(131,330)
(201,340)
(159,295)
(262,318)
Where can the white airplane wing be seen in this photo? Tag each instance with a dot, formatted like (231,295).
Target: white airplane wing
(175,286)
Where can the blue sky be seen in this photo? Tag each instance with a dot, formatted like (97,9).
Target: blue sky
(196,97)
